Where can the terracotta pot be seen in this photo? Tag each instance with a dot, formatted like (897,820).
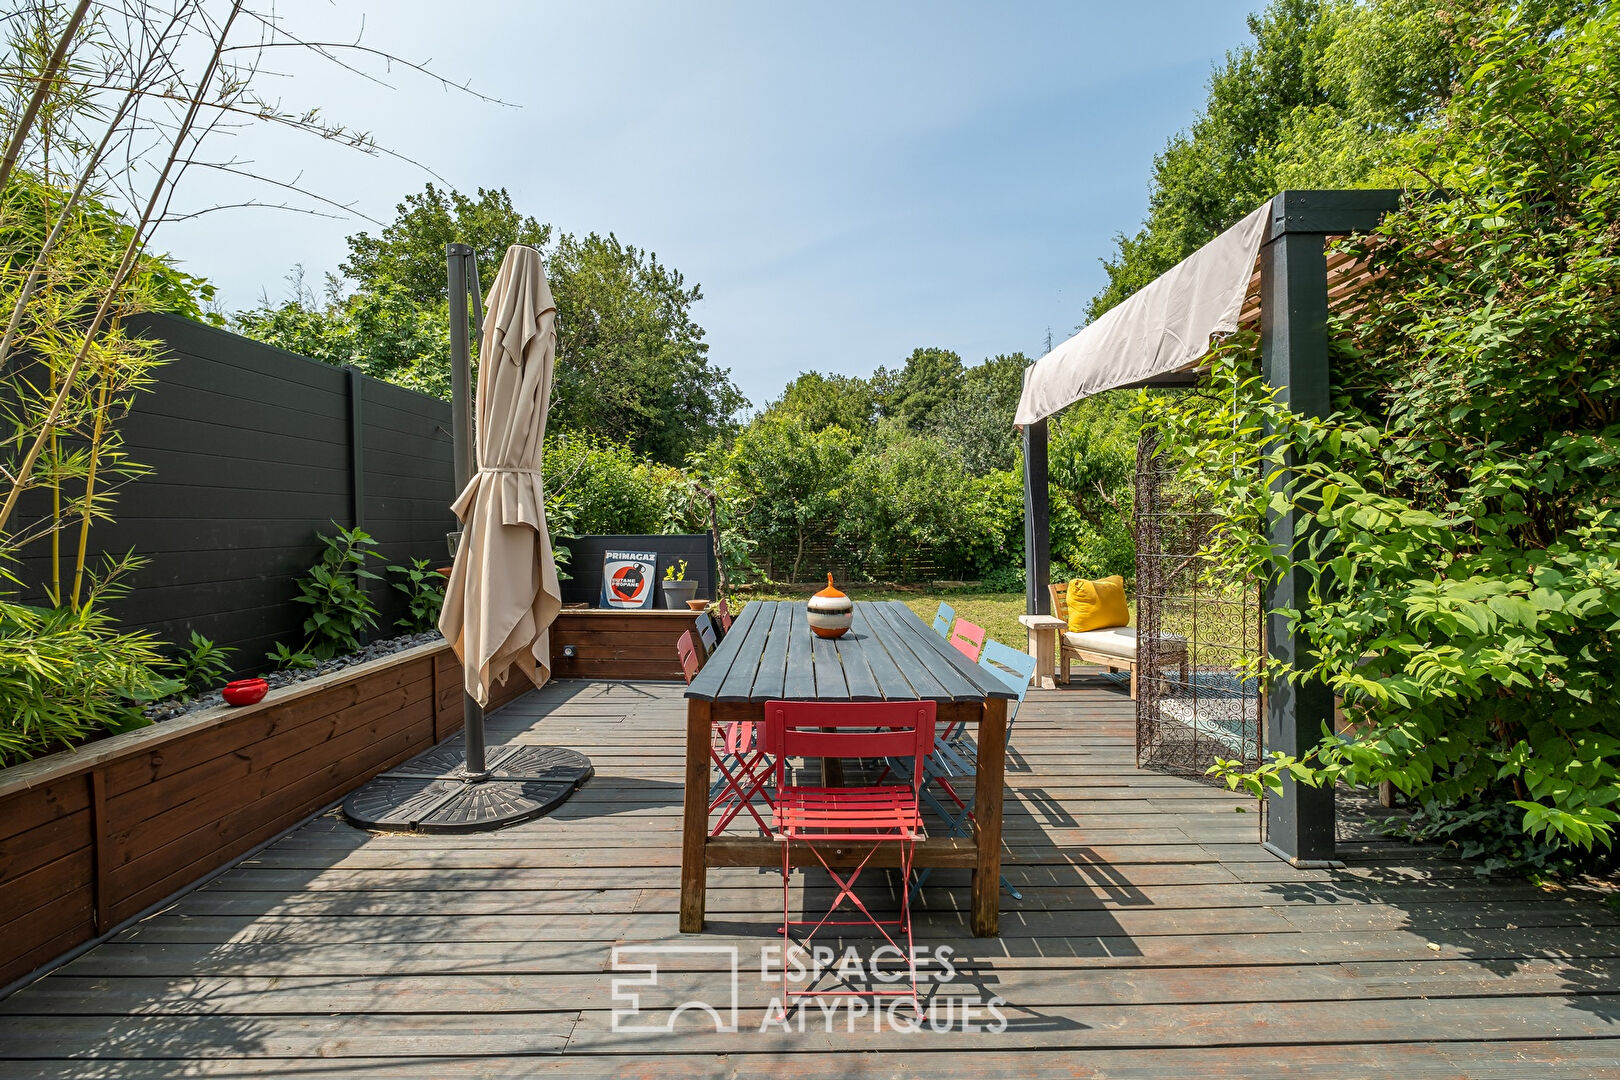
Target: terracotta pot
(245,691)
(697,605)
(830,612)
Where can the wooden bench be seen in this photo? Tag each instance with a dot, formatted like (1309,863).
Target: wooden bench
(1113,648)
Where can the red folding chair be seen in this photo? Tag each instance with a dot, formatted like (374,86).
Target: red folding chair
(879,815)
(739,755)
(736,753)
(968,639)
(722,614)
(686,648)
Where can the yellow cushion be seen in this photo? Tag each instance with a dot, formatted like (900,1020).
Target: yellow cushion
(1097,605)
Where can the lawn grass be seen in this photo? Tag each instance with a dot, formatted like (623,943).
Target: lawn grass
(997,612)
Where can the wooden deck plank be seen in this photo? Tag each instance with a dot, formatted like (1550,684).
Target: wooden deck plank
(1476,1059)
(1155,939)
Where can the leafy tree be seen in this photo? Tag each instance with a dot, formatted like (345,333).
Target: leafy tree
(383,331)
(847,401)
(1092,462)
(632,365)
(977,422)
(409,251)
(1388,69)
(1320,98)
(789,481)
(930,378)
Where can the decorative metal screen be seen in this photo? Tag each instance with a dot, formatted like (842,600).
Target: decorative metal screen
(1193,633)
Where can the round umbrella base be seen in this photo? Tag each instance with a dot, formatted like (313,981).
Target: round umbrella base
(432,793)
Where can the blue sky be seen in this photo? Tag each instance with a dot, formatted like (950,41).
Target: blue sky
(845,181)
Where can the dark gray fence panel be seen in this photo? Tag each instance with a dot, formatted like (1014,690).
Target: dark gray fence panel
(408,480)
(585,563)
(253,451)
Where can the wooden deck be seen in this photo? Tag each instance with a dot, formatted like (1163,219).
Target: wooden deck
(1155,938)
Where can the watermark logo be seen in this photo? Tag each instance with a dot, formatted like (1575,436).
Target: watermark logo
(645,960)
(664,984)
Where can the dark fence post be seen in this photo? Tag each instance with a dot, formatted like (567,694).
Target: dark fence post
(357,445)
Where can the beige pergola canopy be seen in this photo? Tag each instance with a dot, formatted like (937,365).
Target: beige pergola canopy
(1165,327)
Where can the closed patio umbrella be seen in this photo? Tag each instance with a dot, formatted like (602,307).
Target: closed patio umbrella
(503,595)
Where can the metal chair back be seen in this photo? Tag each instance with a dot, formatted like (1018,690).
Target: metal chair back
(968,638)
(706,634)
(686,648)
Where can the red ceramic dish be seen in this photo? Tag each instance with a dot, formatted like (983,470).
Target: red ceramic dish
(245,691)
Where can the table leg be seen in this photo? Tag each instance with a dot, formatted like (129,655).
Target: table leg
(989,789)
(695,819)
(832,770)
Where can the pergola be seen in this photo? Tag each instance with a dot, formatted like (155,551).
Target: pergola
(1271,267)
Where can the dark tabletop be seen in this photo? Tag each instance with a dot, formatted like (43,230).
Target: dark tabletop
(889,654)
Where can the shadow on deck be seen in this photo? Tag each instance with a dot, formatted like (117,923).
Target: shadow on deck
(1154,938)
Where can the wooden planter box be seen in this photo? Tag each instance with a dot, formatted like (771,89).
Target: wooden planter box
(91,837)
(618,644)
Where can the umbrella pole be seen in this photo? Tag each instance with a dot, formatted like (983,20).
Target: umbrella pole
(459,258)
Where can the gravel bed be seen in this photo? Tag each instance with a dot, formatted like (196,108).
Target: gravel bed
(171,708)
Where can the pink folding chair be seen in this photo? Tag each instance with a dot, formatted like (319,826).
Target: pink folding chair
(686,648)
(968,639)
(878,815)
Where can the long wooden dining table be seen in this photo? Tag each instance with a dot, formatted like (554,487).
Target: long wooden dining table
(888,654)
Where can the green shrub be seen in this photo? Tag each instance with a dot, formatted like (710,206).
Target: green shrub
(606,486)
(67,676)
(334,589)
(288,659)
(909,495)
(788,481)
(200,664)
(423,587)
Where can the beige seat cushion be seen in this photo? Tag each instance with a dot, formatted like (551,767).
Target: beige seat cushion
(1117,641)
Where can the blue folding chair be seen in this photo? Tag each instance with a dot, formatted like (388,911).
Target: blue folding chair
(943,619)
(955,757)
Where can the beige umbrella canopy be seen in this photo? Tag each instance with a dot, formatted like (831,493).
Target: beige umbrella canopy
(503,594)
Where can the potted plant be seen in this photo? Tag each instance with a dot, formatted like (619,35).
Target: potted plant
(677,590)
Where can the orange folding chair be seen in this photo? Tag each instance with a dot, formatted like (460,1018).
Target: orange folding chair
(968,639)
(877,815)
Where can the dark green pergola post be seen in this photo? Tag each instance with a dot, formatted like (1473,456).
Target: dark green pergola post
(1037,522)
(1300,821)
